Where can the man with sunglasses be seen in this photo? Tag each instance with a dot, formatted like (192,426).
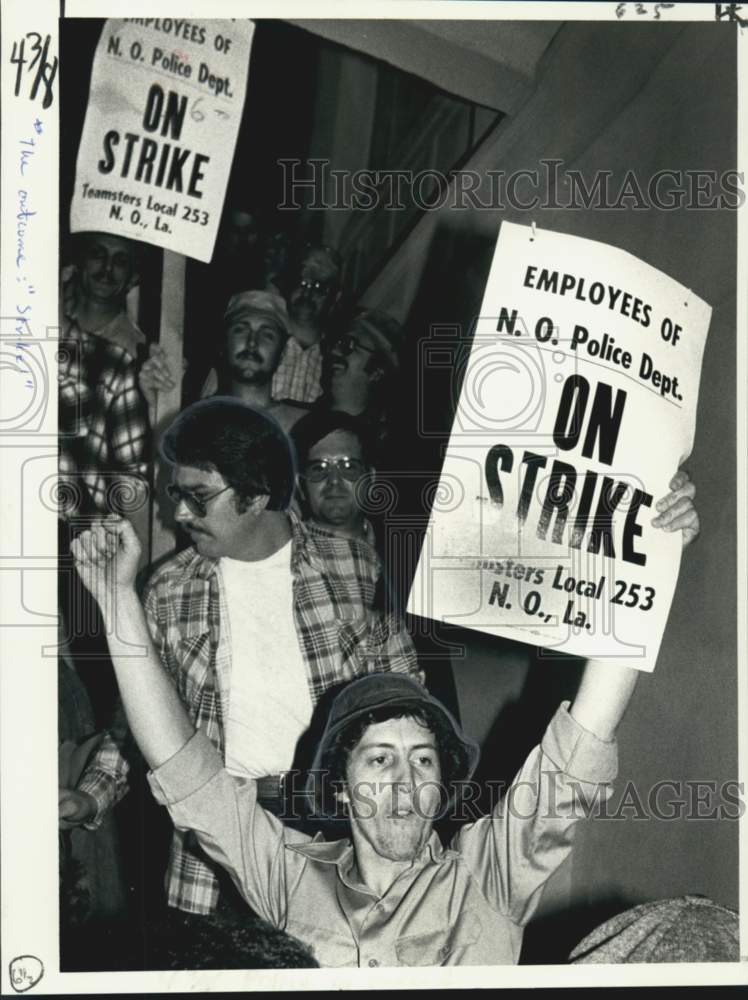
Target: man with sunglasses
(360,367)
(334,455)
(312,293)
(262,616)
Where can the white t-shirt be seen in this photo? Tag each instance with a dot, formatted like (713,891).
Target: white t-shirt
(269,701)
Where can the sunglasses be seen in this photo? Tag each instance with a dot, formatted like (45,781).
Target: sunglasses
(195,505)
(313,285)
(350,469)
(346,344)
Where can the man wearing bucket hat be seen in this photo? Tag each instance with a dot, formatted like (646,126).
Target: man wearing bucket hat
(391,894)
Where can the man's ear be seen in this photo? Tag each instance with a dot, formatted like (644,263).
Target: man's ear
(257,504)
(376,373)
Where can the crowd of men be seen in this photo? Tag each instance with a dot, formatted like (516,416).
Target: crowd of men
(263,651)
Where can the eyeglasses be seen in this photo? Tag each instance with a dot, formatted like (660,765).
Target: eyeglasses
(346,344)
(350,469)
(196,505)
(314,285)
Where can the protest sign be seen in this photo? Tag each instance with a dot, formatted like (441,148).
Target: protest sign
(577,407)
(163,114)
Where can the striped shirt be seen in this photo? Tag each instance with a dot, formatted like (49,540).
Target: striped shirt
(298,375)
(340,633)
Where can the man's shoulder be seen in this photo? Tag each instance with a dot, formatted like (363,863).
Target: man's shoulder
(120,334)
(327,541)
(180,569)
(287,413)
(124,333)
(336,555)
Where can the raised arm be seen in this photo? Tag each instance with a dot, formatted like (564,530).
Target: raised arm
(514,851)
(189,777)
(607,687)
(107,560)
(603,697)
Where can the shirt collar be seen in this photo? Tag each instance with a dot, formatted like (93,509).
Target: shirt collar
(437,850)
(340,852)
(196,567)
(119,331)
(302,547)
(330,852)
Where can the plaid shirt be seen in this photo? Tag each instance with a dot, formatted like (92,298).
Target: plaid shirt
(105,779)
(120,331)
(340,634)
(103,421)
(105,774)
(298,375)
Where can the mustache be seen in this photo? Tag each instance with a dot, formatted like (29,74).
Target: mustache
(247,355)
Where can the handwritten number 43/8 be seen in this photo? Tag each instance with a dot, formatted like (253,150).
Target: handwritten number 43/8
(46,70)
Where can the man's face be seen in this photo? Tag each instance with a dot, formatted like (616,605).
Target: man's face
(253,345)
(348,370)
(332,499)
(106,269)
(314,290)
(222,530)
(238,233)
(392,788)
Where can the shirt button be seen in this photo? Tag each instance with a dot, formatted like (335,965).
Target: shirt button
(373,963)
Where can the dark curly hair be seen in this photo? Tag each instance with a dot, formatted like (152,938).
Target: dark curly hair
(246,446)
(453,756)
(313,426)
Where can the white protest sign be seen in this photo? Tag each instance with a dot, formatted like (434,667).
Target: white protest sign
(577,407)
(163,114)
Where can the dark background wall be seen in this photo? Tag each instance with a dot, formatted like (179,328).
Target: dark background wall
(614,97)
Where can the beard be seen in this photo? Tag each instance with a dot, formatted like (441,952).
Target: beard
(239,372)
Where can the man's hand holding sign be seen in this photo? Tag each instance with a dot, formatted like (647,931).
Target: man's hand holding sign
(578,405)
